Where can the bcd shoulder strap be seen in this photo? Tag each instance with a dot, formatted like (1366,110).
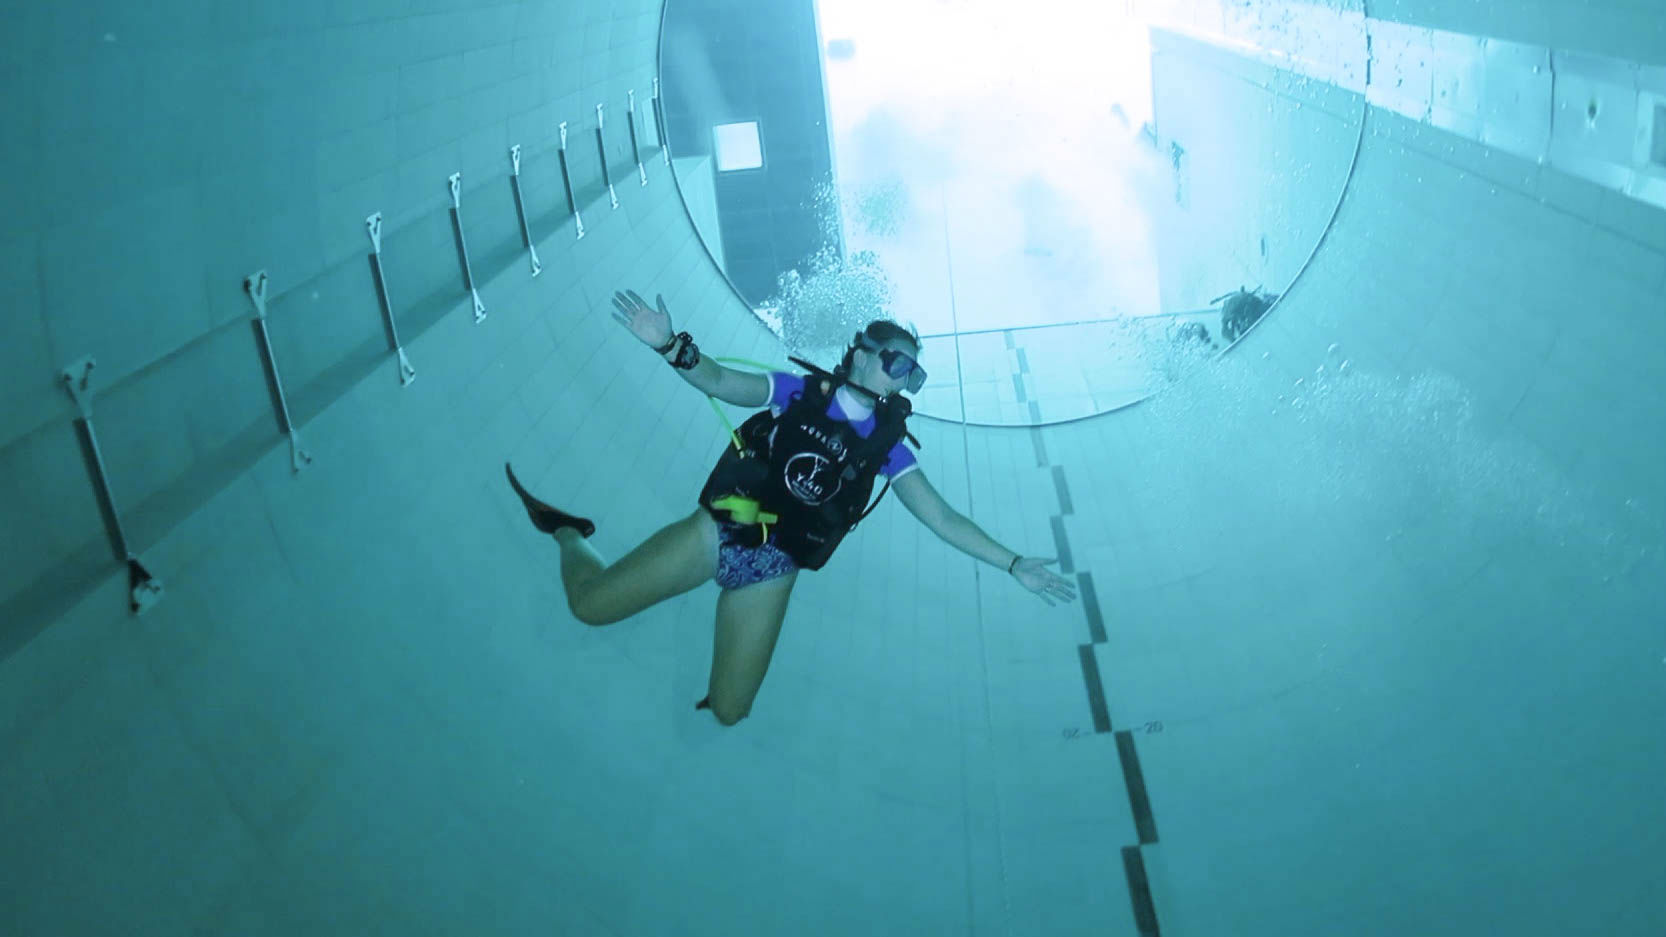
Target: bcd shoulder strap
(890,416)
(890,420)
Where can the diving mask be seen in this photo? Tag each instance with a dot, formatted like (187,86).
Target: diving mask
(897,364)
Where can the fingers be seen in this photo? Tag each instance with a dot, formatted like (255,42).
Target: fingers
(1055,588)
(622,311)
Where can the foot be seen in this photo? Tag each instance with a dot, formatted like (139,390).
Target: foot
(544,517)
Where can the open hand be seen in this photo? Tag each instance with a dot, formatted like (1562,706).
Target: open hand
(652,326)
(1042,582)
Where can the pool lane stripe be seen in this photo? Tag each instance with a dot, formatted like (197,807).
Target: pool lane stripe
(1133,777)
(1065,507)
(1040,447)
(1061,543)
(1138,802)
(1090,604)
(1096,690)
(1145,912)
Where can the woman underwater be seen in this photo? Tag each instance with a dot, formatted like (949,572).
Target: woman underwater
(779,506)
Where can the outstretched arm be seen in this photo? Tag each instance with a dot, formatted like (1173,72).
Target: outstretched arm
(652,326)
(958,531)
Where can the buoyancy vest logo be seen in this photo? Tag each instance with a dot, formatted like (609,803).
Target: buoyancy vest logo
(832,441)
(811,478)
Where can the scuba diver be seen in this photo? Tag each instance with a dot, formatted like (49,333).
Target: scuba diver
(795,482)
(1242,309)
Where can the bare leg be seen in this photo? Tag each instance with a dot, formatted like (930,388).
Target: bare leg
(748,624)
(679,557)
(580,562)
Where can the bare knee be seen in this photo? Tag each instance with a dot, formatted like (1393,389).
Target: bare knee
(728,716)
(580,608)
(588,611)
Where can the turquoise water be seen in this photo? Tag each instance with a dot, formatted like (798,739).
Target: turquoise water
(1374,641)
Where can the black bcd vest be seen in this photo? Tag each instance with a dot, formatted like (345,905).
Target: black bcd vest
(813,472)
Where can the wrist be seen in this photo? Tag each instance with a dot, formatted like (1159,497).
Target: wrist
(687,356)
(1014,564)
(665,349)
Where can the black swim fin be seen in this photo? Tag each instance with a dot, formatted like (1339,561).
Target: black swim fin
(544,517)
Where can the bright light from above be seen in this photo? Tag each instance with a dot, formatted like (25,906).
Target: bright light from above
(737,146)
(998,141)
(1062,196)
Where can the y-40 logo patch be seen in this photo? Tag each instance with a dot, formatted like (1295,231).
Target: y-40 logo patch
(811,478)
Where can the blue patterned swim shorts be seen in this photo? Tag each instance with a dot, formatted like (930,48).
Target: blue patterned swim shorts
(741,565)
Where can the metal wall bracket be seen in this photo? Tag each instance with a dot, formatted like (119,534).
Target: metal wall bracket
(407,374)
(78,381)
(601,151)
(144,590)
(456,180)
(636,149)
(520,208)
(255,286)
(659,125)
(567,182)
